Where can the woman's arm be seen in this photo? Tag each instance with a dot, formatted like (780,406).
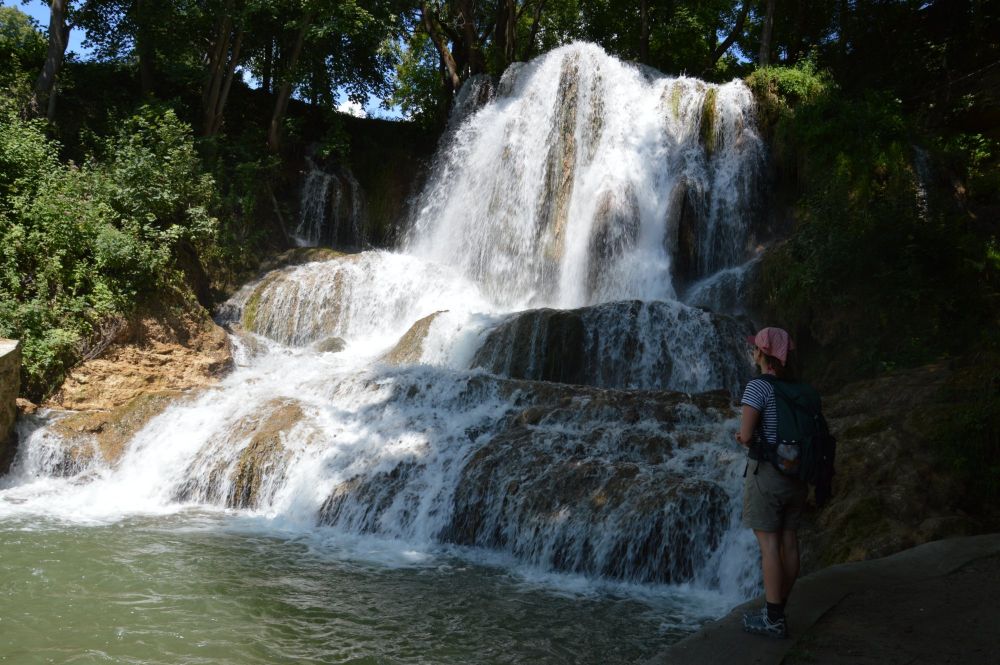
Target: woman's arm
(748,422)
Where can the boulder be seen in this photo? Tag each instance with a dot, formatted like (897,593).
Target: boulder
(330,345)
(101,436)
(410,347)
(627,344)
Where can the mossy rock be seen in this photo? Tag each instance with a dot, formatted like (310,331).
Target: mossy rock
(299,255)
(264,456)
(410,347)
(330,345)
(107,433)
(709,115)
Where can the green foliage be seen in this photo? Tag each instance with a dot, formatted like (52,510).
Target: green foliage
(82,243)
(965,430)
(22,47)
(780,89)
(418,90)
(871,275)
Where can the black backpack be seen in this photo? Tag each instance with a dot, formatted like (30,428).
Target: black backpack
(804,449)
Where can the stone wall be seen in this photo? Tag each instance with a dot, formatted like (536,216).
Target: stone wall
(10,384)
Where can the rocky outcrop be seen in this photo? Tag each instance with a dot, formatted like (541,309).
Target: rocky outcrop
(573,478)
(174,346)
(629,344)
(253,462)
(895,486)
(101,437)
(10,385)
(410,346)
(292,304)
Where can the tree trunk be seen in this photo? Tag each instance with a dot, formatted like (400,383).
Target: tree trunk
(144,47)
(644,32)
(45,90)
(285,90)
(213,80)
(765,36)
(221,79)
(529,49)
(451,74)
(737,30)
(470,39)
(505,35)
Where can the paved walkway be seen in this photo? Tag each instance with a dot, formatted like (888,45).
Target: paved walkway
(875,588)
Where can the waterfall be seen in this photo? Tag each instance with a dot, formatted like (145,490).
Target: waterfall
(590,181)
(500,382)
(332,209)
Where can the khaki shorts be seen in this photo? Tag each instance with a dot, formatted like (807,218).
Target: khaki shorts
(772,501)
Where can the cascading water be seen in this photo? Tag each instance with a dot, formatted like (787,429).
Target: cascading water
(331,209)
(572,231)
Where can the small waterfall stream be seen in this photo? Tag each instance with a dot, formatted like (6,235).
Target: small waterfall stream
(331,209)
(581,247)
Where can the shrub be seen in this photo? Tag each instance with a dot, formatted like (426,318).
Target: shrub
(80,244)
(871,277)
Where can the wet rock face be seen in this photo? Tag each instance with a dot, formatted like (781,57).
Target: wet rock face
(627,344)
(574,505)
(374,494)
(263,457)
(577,479)
(560,163)
(245,470)
(102,436)
(410,346)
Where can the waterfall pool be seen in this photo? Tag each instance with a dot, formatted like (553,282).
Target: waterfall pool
(220,588)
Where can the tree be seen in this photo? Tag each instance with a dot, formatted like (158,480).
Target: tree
(223,58)
(22,45)
(45,91)
(765,36)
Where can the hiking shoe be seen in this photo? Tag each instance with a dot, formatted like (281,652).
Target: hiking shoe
(757,623)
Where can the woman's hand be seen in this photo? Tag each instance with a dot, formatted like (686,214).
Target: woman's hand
(748,421)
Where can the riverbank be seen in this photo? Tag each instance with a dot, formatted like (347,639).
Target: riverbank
(930,604)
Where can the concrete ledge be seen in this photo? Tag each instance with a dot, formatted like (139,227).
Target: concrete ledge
(724,641)
(10,385)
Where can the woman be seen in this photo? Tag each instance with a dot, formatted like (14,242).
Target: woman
(772,501)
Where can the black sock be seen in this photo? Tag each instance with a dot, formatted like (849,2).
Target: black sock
(775,611)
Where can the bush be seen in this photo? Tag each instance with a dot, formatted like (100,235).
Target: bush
(22,47)
(880,270)
(80,244)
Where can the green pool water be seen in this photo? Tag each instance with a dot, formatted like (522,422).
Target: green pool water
(215,588)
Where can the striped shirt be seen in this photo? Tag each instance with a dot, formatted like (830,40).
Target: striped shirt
(759,394)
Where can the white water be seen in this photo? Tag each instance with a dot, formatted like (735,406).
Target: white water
(331,209)
(566,191)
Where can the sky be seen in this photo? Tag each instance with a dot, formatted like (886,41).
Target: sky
(39,10)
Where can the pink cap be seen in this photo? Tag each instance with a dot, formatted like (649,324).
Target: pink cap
(775,342)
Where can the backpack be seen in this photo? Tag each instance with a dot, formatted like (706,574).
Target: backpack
(804,448)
